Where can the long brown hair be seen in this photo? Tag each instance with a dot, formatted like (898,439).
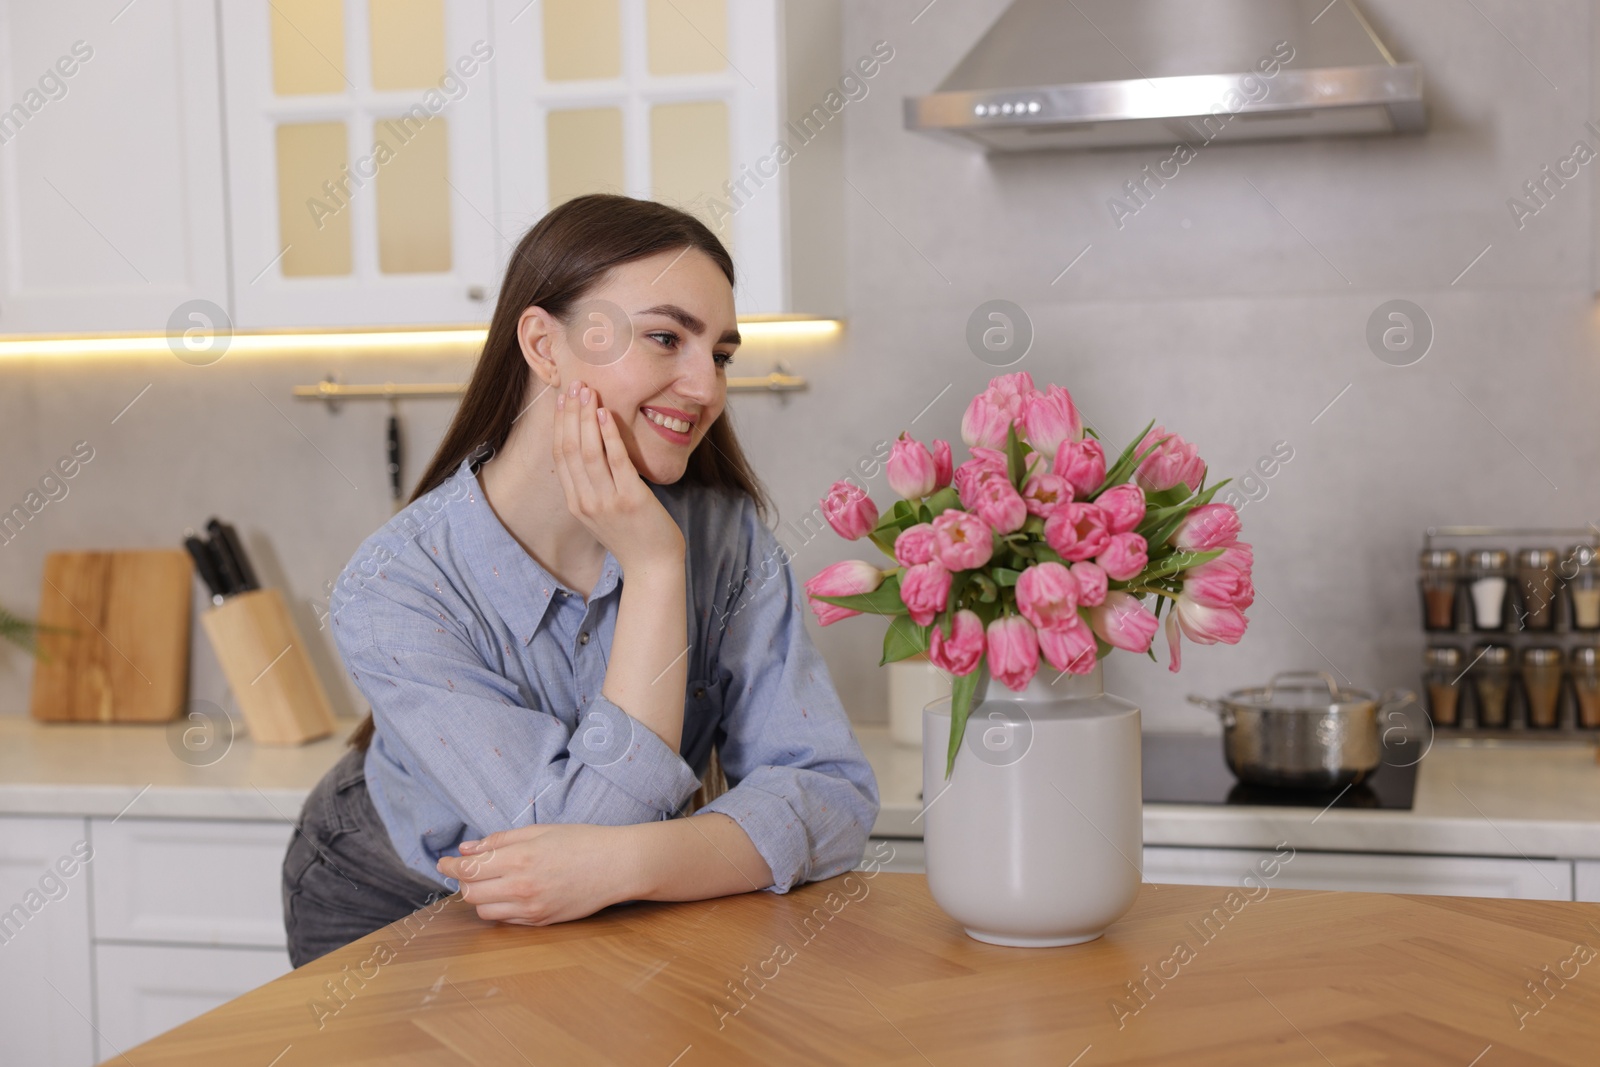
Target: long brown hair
(557,262)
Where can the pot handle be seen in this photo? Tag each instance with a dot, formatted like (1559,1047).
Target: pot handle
(1327,679)
(1222,710)
(1395,698)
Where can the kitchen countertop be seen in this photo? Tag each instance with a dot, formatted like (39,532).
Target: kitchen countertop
(865,968)
(1474,798)
(89,769)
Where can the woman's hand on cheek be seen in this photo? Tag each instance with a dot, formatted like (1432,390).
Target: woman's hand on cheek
(604,489)
(540,874)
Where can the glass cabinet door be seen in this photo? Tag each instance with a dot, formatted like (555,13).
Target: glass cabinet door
(361,149)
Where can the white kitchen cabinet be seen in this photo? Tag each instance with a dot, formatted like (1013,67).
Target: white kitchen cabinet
(111,169)
(897,855)
(1362,872)
(1586,881)
(361,161)
(45,1000)
(687,102)
(182,881)
(146,990)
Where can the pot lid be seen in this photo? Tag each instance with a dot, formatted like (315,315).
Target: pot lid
(1299,691)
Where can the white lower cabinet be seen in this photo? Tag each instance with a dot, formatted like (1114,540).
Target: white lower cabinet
(146,990)
(130,927)
(897,855)
(189,881)
(45,1001)
(1357,872)
(1365,872)
(1586,881)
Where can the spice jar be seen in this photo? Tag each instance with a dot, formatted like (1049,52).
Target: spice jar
(1541,684)
(1440,581)
(1586,684)
(1583,587)
(1491,683)
(1488,571)
(1536,587)
(1442,682)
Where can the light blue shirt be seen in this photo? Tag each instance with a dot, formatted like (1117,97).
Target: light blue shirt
(484,674)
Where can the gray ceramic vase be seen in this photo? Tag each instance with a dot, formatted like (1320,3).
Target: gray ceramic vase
(1036,838)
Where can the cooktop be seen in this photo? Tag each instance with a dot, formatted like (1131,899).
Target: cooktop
(1191,769)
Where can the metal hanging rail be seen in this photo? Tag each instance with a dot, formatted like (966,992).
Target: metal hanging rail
(332,393)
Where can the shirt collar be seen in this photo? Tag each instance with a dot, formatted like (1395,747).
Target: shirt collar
(519,589)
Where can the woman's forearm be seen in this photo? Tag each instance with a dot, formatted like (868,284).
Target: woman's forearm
(649,665)
(696,858)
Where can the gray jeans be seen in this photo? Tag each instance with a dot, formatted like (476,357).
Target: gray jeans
(342,878)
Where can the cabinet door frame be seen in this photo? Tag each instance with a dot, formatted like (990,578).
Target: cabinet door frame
(196,238)
(46,988)
(752,89)
(264,297)
(1366,872)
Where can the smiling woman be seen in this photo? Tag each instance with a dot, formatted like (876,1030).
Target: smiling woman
(553,651)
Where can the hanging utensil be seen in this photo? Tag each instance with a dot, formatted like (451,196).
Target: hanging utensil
(394,452)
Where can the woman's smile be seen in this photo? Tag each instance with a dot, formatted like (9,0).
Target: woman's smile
(675,425)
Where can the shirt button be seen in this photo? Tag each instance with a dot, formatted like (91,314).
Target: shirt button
(700,692)
(583,639)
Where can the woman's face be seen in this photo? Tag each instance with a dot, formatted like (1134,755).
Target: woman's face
(652,340)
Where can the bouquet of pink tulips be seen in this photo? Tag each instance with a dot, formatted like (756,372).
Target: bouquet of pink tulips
(1036,546)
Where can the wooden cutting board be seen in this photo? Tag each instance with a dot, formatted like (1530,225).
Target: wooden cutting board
(128,657)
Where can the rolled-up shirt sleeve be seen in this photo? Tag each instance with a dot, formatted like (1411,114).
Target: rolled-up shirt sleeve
(465,733)
(800,786)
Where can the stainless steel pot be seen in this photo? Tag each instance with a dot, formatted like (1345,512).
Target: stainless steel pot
(1302,731)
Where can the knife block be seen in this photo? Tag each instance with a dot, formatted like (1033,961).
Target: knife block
(265,662)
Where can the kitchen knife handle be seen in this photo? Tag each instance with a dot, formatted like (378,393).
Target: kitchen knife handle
(205,565)
(235,567)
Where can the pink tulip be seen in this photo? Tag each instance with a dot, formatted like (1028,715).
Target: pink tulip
(1124,507)
(985,423)
(998,503)
(849,510)
(1091,579)
(1013,651)
(963,651)
(1124,557)
(1202,624)
(1123,622)
(912,473)
(1051,419)
(1206,527)
(1070,648)
(982,462)
(849,578)
(1082,464)
(1076,531)
(962,540)
(924,589)
(1174,462)
(915,545)
(1224,581)
(1047,596)
(1043,491)
(941,464)
(995,410)
(1011,392)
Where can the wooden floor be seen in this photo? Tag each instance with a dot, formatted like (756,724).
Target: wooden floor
(867,970)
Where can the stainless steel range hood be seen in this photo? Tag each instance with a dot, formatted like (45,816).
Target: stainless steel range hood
(1108,73)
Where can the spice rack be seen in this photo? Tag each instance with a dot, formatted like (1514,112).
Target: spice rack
(1511,617)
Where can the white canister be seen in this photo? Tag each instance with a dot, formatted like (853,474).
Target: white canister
(914,683)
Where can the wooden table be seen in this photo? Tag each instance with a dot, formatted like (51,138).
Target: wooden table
(865,969)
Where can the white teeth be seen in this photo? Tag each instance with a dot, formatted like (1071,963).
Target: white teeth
(668,421)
